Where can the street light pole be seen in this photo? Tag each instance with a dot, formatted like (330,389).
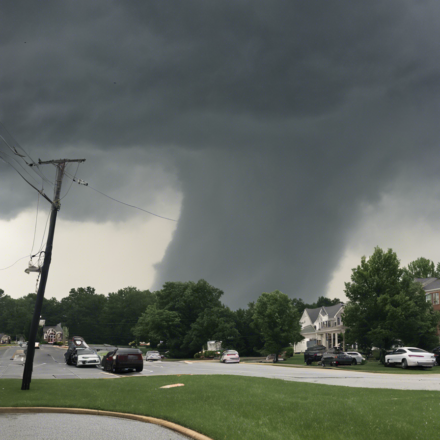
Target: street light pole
(28,368)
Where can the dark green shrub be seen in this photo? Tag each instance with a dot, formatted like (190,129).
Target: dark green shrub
(209,354)
(197,355)
(288,352)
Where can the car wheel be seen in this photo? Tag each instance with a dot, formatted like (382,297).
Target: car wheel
(68,361)
(139,369)
(387,364)
(354,362)
(322,364)
(404,364)
(115,370)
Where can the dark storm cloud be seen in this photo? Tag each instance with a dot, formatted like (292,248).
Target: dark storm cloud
(277,118)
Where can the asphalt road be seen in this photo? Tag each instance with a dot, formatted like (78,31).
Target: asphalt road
(49,364)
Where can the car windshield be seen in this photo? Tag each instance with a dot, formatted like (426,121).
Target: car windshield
(230,352)
(352,354)
(416,350)
(85,351)
(152,352)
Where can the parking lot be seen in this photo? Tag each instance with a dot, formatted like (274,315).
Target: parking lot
(49,364)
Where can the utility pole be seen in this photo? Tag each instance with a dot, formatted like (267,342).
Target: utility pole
(28,367)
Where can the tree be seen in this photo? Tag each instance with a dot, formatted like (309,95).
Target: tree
(181,304)
(214,324)
(121,312)
(82,310)
(386,305)
(277,320)
(250,341)
(423,268)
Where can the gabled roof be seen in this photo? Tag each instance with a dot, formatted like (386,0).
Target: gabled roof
(332,310)
(57,327)
(329,311)
(313,313)
(428,283)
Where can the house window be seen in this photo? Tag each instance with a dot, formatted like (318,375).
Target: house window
(428,297)
(339,320)
(436,298)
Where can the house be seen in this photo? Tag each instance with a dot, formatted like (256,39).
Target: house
(5,339)
(53,333)
(431,286)
(321,326)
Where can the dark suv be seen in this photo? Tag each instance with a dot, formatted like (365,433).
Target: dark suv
(314,354)
(74,343)
(123,359)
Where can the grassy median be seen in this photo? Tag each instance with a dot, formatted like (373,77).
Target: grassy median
(242,408)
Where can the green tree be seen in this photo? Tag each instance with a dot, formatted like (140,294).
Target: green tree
(82,310)
(386,305)
(213,324)
(277,320)
(121,312)
(250,341)
(423,268)
(187,301)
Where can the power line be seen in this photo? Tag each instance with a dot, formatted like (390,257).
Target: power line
(81,182)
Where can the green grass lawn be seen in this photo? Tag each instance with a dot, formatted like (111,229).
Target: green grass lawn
(245,408)
(371,366)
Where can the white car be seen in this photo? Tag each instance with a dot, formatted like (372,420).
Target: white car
(410,357)
(37,345)
(82,357)
(153,356)
(229,356)
(355,355)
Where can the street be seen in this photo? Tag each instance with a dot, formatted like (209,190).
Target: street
(49,364)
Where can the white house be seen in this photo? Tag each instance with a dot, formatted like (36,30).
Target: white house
(321,326)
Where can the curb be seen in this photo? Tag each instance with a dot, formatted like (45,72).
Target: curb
(173,426)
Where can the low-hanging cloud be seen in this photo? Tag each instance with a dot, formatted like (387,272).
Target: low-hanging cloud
(275,121)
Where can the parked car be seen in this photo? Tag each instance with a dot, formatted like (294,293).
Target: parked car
(74,343)
(436,352)
(355,355)
(153,356)
(123,359)
(410,357)
(37,345)
(229,356)
(335,358)
(314,354)
(82,357)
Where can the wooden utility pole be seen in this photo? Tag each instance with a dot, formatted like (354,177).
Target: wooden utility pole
(28,367)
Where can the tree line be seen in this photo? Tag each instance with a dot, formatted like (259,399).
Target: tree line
(385,307)
(179,318)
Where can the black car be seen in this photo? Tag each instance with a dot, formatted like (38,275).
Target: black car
(74,343)
(123,359)
(314,354)
(335,357)
(436,352)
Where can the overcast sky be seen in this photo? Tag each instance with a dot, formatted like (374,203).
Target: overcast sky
(287,138)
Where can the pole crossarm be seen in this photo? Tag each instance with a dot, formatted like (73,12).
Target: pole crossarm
(40,162)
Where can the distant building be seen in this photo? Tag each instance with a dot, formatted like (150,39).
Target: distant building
(321,326)
(53,333)
(214,345)
(5,339)
(431,286)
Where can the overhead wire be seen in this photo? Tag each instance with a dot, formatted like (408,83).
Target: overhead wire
(81,182)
